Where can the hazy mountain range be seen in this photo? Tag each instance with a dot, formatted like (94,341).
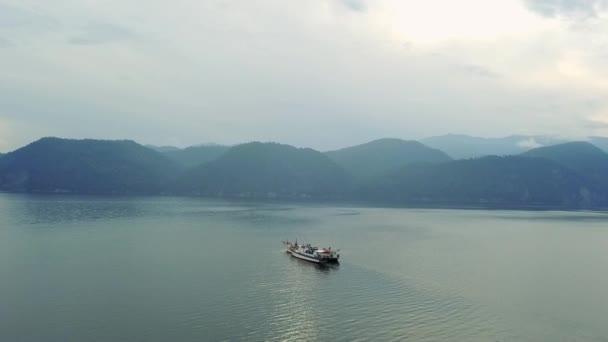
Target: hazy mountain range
(557,175)
(463,146)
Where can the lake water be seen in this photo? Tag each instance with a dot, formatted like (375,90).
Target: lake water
(179,269)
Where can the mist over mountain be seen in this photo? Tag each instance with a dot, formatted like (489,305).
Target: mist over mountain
(460,146)
(379,157)
(162,148)
(601,142)
(268,170)
(86,166)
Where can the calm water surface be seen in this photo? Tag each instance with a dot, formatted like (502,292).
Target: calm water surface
(175,269)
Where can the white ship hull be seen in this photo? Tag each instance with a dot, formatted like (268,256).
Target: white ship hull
(311,253)
(304,257)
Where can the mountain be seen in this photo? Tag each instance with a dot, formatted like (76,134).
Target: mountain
(460,146)
(267,170)
(196,155)
(583,157)
(86,166)
(379,157)
(577,154)
(569,176)
(512,181)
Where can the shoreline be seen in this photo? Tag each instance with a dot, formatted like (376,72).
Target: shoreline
(318,201)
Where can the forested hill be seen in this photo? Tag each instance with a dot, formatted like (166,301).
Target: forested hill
(489,181)
(584,158)
(268,170)
(379,157)
(86,166)
(196,155)
(569,176)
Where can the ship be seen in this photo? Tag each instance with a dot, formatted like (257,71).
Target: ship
(312,253)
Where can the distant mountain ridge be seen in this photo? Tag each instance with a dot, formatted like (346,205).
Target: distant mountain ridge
(566,176)
(379,157)
(460,146)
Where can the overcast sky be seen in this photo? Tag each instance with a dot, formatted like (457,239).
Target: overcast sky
(316,73)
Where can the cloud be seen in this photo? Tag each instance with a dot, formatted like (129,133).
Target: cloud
(529,144)
(567,8)
(355,5)
(5,43)
(17,17)
(100,34)
(323,74)
(478,70)
(598,120)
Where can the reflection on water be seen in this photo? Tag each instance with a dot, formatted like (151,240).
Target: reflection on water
(323,268)
(177,269)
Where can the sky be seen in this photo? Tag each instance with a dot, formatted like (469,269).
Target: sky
(317,73)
